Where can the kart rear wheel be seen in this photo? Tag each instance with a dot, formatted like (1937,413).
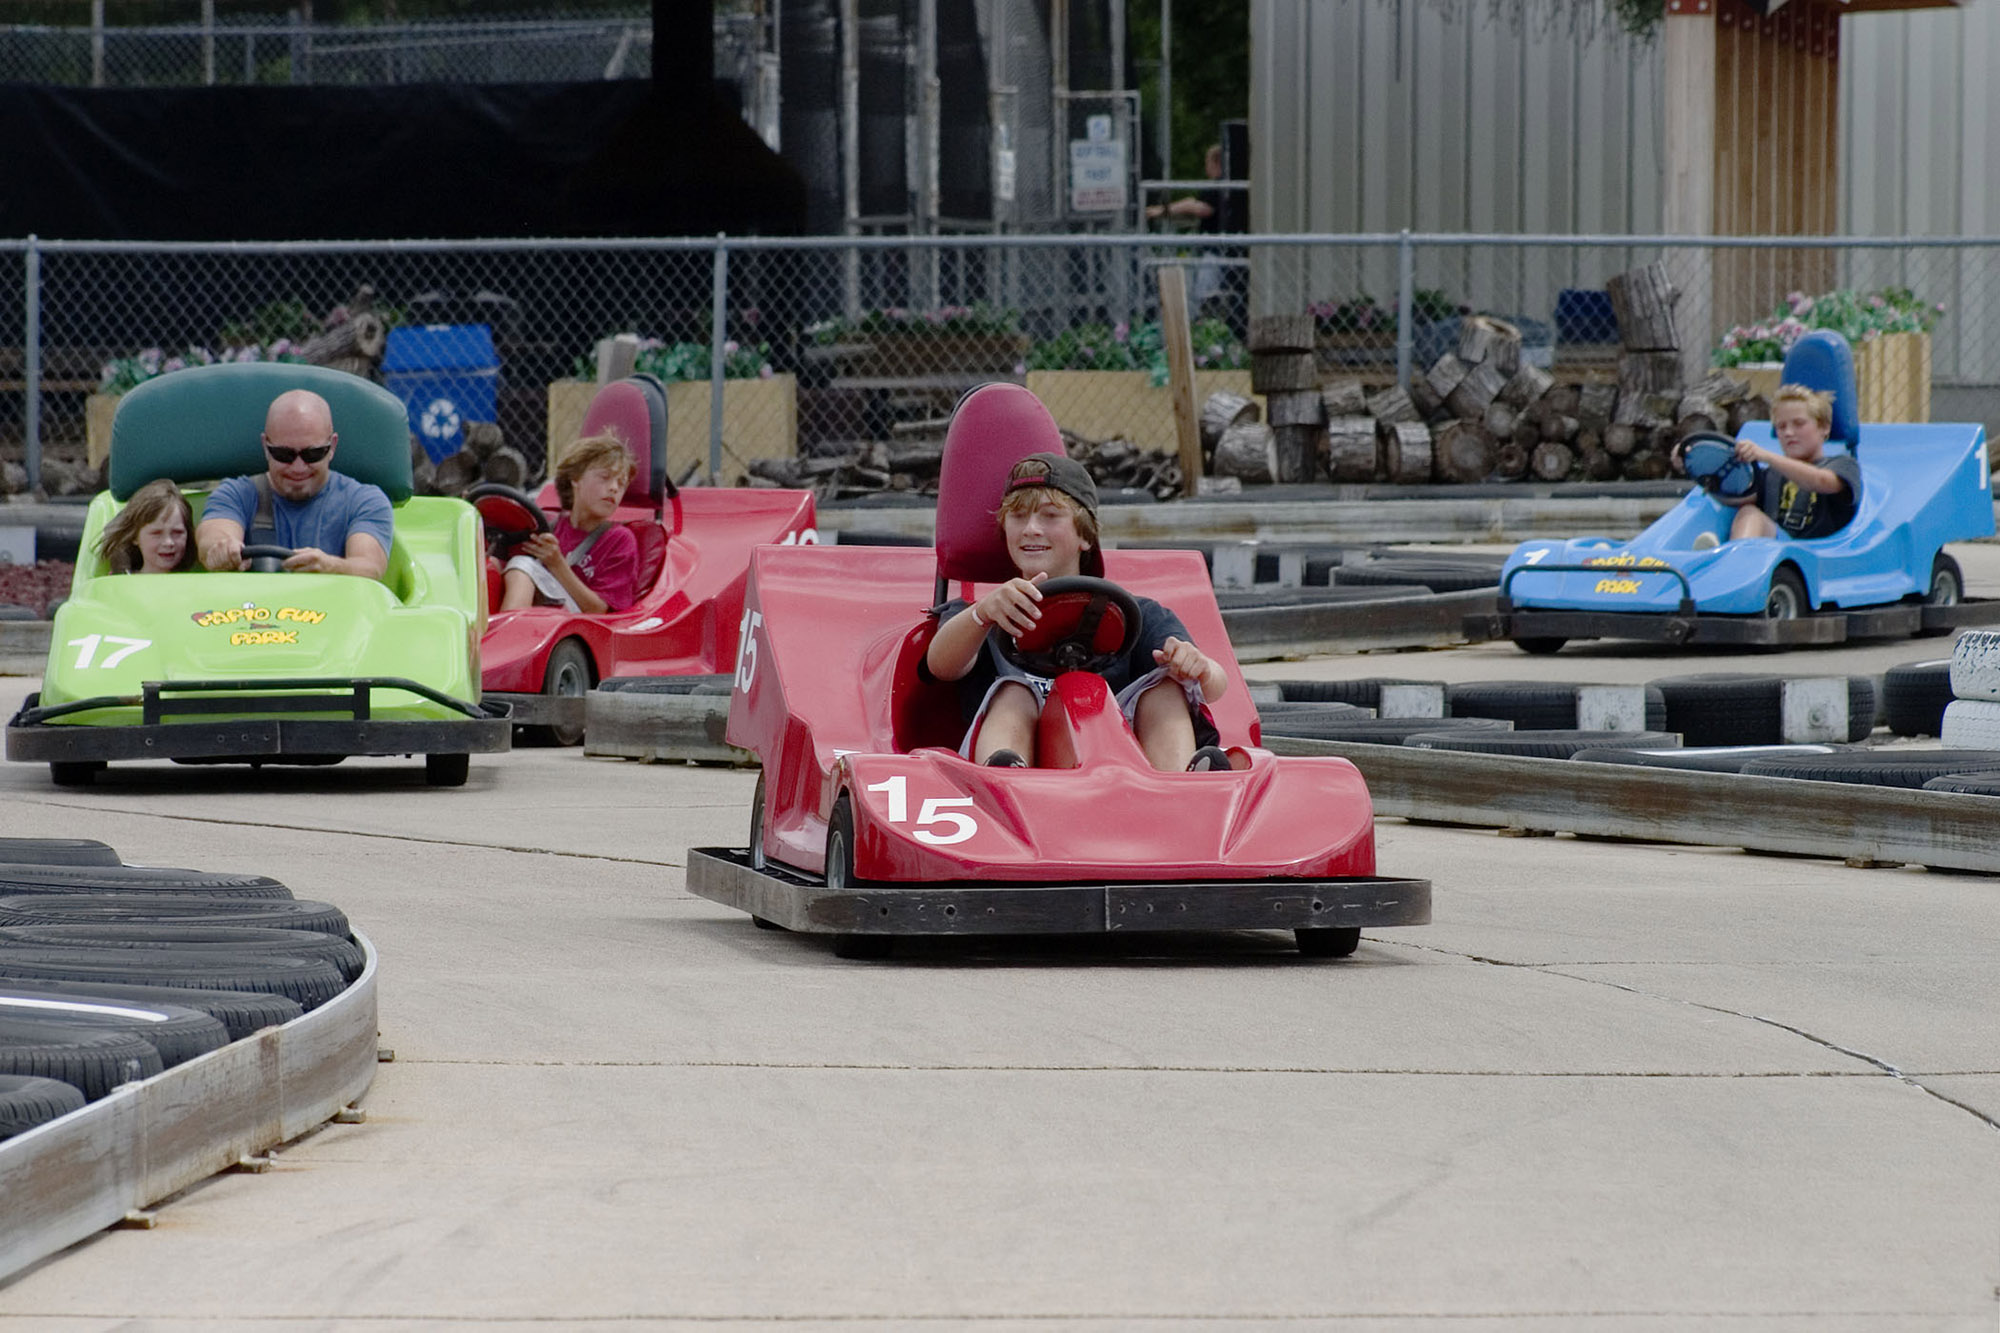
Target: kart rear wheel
(1787,598)
(447,770)
(757,861)
(840,874)
(567,677)
(1328,941)
(1947,582)
(75,773)
(1541,646)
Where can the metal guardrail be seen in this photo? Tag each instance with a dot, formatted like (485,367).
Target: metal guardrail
(75,1176)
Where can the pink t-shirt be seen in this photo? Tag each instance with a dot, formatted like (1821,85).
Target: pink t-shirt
(610,568)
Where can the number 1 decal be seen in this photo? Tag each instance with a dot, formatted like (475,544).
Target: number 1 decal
(936,810)
(87,649)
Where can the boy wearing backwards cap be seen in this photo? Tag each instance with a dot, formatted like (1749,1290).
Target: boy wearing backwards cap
(1048,516)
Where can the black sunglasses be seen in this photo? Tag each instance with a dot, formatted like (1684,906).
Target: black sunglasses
(312,455)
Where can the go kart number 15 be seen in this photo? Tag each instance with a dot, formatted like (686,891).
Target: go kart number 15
(937,811)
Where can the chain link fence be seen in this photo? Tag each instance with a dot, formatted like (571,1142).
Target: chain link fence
(840,358)
(240,45)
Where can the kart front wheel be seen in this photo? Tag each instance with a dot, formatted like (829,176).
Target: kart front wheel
(447,770)
(840,874)
(1540,645)
(1328,941)
(1947,582)
(1787,598)
(567,677)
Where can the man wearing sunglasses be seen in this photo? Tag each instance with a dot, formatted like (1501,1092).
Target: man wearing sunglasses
(333,523)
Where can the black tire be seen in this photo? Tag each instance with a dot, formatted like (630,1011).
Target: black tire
(756,843)
(1970,784)
(26,1102)
(92,1062)
(1879,768)
(1553,744)
(344,954)
(167,909)
(57,852)
(447,770)
(75,773)
(1915,695)
(1534,706)
(240,1012)
(1282,709)
(1328,941)
(863,947)
(568,675)
(1947,585)
(1709,759)
(1363,693)
(58,879)
(1437,575)
(661,684)
(310,981)
(178,1034)
(840,874)
(1786,599)
(1541,645)
(1739,708)
(1379,730)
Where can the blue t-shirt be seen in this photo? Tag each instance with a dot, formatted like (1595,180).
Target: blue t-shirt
(343,507)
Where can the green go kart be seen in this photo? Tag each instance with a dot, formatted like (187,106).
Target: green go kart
(266,666)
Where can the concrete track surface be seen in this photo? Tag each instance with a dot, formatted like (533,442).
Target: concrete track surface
(1613,1086)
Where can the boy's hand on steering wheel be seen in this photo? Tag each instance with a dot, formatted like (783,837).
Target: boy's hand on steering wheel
(1014,606)
(1182,660)
(543,547)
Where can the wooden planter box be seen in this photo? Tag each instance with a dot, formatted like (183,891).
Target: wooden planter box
(1123,404)
(98,409)
(760,419)
(898,354)
(1892,377)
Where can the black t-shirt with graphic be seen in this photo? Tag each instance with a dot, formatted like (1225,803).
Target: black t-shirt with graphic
(1801,512)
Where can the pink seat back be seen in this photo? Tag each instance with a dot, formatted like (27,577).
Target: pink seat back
(634,411)
(994,427)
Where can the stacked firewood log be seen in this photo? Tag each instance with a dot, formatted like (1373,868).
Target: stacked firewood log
(910,465)
(1481,412)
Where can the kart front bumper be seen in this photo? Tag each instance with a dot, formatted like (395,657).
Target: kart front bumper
(1897,620)
(34,735)
(804,904)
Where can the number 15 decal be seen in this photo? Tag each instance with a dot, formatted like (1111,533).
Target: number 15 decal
(746,648)
(937,810)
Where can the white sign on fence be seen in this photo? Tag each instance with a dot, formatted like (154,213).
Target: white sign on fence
(1003,175)
(1096,176)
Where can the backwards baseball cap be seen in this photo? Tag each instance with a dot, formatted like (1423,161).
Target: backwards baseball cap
(1057,472)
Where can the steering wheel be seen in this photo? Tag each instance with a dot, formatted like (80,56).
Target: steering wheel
(1087,624)
(511,516)
(1709,460)
(267,559)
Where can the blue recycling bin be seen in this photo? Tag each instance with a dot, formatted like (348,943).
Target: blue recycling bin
(446,375)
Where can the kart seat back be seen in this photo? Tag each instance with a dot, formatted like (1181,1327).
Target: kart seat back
(993,427)
(634,412)
(1822,360)
(652,553)
(206,423)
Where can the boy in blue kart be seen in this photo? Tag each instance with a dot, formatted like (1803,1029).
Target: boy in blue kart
(1802,492)
(1048,517)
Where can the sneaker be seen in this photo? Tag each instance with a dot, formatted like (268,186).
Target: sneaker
(1209,759)
(1706,541)
(1005,759)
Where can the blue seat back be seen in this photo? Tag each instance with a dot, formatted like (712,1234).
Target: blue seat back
(1822,360)
(206,423)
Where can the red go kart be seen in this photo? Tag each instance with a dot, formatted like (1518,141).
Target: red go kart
(694,550)
(868,825)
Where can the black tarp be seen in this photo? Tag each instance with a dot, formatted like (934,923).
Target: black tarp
(428,160)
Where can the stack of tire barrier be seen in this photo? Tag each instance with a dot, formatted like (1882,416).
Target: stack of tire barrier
(111,973)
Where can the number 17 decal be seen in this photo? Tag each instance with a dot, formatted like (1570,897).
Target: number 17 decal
(87,649)
(937,810)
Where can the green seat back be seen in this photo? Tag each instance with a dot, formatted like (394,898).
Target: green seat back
(207,422)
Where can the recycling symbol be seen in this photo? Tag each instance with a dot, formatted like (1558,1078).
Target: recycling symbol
(440,419)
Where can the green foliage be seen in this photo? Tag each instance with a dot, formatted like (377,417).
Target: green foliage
(976,319)
(1363,314)
(1136,347)
(127,372)
(1641,18)
(674,362)
(1853,316)
(291,320)
(1211,74)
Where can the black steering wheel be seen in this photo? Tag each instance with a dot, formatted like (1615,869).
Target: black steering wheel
(1087,624)
(1708,458)
(510,514)
(266,559)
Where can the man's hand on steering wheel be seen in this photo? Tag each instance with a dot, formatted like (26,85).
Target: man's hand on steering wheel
(1014,606)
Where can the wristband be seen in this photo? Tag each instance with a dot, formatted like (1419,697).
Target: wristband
(978,619)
